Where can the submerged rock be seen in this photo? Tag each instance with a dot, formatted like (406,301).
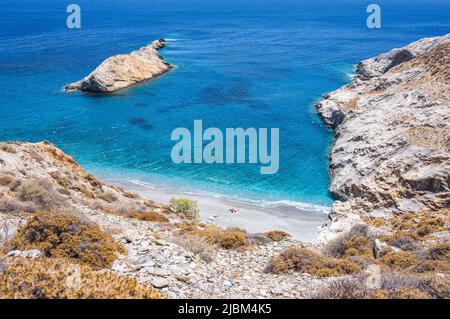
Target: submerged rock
(124,70)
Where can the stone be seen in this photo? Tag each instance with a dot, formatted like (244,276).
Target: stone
(276,291)
(373,280)
(159,283)
(32,254)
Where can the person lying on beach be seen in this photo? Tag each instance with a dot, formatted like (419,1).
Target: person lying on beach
(233,211)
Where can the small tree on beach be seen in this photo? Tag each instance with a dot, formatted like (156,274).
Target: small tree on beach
(185,206)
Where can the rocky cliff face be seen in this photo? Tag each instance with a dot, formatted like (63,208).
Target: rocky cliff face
(125,70)
(392,135)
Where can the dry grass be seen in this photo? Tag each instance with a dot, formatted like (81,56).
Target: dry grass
(41,193)
(10,205)
(393,286)
(231,238)
(399,260)
(419,226)
(197,245)
(148,216)
(5,180)
(8,148)
(108,197)
(428,226)
(354,243)
(425,266)
(277,235)
(439,252)
(406,243)
(343,288)
(306,261)
(62,236)
(58,279)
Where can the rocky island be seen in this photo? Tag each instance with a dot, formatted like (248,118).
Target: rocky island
(125,70)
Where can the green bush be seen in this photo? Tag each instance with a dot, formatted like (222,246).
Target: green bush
(184,206)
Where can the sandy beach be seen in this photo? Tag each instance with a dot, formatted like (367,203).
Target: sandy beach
(301,222)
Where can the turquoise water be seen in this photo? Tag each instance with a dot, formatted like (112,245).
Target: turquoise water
(239,64)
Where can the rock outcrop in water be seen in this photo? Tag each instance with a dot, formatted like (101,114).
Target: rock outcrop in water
(392,135)
(125,70)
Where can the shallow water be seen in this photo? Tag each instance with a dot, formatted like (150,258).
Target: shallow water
(239,64)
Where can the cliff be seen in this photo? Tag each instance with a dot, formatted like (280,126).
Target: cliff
(124,70)
(391,153)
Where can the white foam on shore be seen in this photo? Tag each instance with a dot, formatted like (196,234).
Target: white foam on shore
(302,220)
(245,201)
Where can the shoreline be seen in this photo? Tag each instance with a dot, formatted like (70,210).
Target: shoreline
(302,223)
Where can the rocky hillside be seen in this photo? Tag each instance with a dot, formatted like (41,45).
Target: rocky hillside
(164,247)
(391,153)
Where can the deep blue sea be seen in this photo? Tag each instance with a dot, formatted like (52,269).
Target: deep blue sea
(245,63)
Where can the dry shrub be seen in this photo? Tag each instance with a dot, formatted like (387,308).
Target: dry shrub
(408,293)
(398,260)
(424,266)
(354,243)
(49,278)
(436,287)
(131,211)
(277,235)
(258,239)
(11,205)
(148,216)
(230,238)
(428,226)
(63,236)
(343,288)
(405,243)
(401,293)
(306,261)
(61,180)
(8,148)
(5,180)
(393,286)
(439,252)
(130,195)
(108,197)
(338,267)
(41,193)
(197,245)
(93,180)
(431,284)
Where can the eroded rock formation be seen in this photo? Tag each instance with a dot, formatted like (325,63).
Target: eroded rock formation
(392,134)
